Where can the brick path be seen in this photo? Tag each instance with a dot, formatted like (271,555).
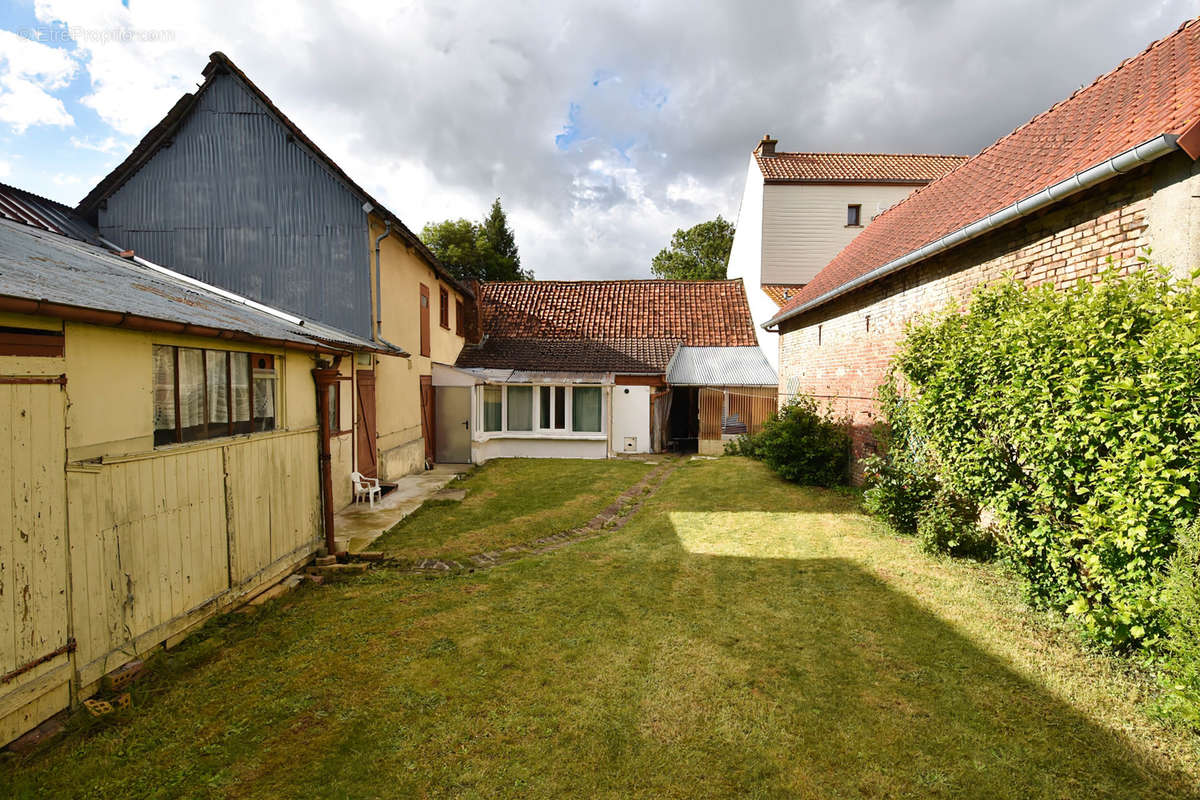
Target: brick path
(612,518)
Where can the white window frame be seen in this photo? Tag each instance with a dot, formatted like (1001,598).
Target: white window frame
(538,432)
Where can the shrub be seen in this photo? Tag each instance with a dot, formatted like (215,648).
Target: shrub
(804,444)
(1181,621)
(949,525)
(745,445)
(897,490)
(1075,415)
(899,482)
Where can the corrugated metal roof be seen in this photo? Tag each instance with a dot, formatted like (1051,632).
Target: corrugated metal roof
(720,366)
(28,208)
(46,267)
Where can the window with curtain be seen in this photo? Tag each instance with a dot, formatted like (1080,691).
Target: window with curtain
(493,399)
(520,408)
(204,394)
(586,404)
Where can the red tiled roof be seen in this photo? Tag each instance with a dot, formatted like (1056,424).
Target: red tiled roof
(780,293)
(618,326)
(1156,92)
(628,356)
(893,168)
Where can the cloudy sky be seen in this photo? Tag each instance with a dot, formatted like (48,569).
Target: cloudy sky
(603,126)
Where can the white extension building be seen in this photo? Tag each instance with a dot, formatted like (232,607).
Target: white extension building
(593,369)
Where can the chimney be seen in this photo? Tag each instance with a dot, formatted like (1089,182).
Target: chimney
(767,146)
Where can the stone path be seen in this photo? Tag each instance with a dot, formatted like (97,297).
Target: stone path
(612,518)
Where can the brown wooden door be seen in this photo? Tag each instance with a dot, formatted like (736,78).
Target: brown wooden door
(367,457)
(427,416)
(425,333)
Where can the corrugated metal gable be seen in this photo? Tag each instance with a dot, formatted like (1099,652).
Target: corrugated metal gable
(235,202)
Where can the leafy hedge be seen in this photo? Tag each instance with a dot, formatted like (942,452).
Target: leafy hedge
(803,443)
(1075,417)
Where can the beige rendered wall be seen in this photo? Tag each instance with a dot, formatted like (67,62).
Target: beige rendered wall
(804,225)
(397,381)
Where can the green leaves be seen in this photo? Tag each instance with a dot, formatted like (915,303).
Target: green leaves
(700,253)
(485,251)
(1074,415)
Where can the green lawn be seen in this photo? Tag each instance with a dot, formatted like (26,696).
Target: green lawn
(738,638)
(510,501)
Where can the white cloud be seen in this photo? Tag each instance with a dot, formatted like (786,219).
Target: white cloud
(438,107)
(5,169)
(109,144)
(29,72)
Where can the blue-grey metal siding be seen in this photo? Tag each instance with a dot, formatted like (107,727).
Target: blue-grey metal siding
(232,202)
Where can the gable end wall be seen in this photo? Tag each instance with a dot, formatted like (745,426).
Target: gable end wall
(232,202)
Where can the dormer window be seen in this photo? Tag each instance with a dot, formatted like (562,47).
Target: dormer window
(854,216)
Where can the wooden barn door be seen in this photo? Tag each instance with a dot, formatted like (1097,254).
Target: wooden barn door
(367,457)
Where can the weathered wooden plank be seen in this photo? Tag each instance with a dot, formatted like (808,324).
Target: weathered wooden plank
(25,541)
(8,644)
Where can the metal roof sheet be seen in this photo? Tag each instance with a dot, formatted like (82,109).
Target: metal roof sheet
(720,366)
(46,267)
(28,208)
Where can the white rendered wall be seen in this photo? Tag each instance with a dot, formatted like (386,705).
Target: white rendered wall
(746,260)
(539,447)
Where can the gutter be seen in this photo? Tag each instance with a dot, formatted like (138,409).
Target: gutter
(1132,158)
(377,328)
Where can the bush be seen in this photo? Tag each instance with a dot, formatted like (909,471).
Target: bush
(745,445)
(899,483)
(949,525)
(1075,416)
(1180,598)
(803,444)
(897,490)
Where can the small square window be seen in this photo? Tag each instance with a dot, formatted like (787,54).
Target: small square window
(853,216)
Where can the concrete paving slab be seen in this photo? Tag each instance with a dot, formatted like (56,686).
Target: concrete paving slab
(357,525)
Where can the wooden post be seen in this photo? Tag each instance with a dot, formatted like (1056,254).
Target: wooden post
(324,378)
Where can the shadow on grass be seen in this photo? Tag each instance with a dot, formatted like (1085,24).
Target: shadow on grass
(884,697)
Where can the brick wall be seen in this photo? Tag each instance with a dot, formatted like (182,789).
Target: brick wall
(840,352)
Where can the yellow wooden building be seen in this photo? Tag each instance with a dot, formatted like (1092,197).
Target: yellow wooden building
(160,454)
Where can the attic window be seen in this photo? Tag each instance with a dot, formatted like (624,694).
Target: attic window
(854,216)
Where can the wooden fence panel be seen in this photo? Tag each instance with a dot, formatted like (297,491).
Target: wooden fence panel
(34,625)
(752,405)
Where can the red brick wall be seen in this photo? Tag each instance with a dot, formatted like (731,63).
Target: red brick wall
(836,354)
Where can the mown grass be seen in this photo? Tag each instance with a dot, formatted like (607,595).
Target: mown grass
(510,501)
(739,638)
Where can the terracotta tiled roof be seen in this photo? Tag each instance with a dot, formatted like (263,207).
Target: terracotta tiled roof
(630,356)
(1156,92)
(893,168)
(617,326)
(780,292)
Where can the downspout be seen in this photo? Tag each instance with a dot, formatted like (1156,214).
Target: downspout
(1135,156)
(324,377)
(377,331)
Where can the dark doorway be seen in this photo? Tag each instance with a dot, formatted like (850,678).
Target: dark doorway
(685,419)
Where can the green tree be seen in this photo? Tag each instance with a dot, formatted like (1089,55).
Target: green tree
(484,251)
(700,253)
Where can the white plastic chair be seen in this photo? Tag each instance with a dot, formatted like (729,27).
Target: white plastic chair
(365,487)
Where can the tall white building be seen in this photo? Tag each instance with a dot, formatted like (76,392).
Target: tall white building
(800,209)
